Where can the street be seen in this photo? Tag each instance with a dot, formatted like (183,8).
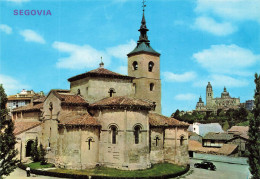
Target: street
(224,171)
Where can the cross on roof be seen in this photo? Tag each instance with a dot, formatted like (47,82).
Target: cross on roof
(144,5)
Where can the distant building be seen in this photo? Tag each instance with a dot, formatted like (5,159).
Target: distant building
(225,102)
(21,99)
(249,105)
(203,129)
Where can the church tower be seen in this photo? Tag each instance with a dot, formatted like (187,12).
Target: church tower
(209,95)
(144,65)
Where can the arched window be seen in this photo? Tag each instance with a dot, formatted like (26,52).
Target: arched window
(181,140)
(50,106)
(150,66)
(111,92)
(78,91)
(137,131)
(151,86)
(135,65)
(113,134)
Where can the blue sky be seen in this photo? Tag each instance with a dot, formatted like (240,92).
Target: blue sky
(199,41)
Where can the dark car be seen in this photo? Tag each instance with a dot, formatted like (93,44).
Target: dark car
(205,165)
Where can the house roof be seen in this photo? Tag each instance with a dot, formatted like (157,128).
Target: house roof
(197,147)
(68,98)
(123,102)
(39,100)
(227,149)
(20,127)
(29,108)
(157,120)
(238,129)
(143,48)
(99,72)
(78,119)
(218,136)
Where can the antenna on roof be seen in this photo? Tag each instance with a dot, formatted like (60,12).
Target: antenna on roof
(101,65)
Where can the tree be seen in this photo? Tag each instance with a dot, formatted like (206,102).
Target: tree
(42,154)
(35,152)
(254,134)
(176,115)
(7,145)
(225,126)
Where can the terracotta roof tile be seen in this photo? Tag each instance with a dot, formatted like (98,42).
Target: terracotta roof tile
(227,149)
(20,127)
(160,120)
(197,147)
(39,100)
(29,108)
(78,119)
(70,99)
(238,129)
(100,72)
(123,102)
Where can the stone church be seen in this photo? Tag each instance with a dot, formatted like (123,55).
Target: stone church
(225,102)
(106,118)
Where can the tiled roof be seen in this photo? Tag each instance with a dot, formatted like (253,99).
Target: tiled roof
(20,127)
(143,48)
(78,119)
(69,99)
(238,129)
(39,100)
(29,108)
(218,136)
(100,72)
(123,102)
(227,149)
(160,120)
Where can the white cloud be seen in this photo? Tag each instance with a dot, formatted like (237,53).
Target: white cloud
(172,77)
(226,59)
(210,25)
(11,85)
(186,97)
(5,28)
(32,36)
(18,1)
(80,57)
(231,9)
(221,81)
(121,51)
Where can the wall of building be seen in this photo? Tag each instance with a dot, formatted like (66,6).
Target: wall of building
(74,151)
(94,89)
(27,116)
(157,151)
(124,154)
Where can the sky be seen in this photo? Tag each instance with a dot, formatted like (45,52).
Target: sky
(200,41)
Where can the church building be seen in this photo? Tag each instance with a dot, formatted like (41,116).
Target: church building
(106,118)
(225,102)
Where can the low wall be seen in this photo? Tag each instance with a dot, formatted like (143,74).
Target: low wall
(65,175)
(221,158)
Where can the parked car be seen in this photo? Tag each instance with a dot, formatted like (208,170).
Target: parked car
(205,165)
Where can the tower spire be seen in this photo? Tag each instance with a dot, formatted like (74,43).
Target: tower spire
(143,29)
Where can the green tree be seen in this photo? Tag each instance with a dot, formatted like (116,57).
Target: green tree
(176,115)
(254,134)
(7,139)
(42,154)
(35,152)
(225,126)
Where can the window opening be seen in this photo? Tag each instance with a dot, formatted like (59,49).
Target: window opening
(151,86)
(150,66)
(89,142)
(114,134)
(29,148)
(78,91)
(157,141)
(181,140)
(111,92)
(137,134)
(135,65)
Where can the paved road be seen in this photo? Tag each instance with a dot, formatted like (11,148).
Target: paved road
(224,171)
(19,173)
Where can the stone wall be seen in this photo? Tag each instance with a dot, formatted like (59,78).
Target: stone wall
(94,89)
(124,154)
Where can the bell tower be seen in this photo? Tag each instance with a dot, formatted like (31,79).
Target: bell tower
(209,95)
(144,64)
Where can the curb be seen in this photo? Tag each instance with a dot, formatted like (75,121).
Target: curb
(66,175)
